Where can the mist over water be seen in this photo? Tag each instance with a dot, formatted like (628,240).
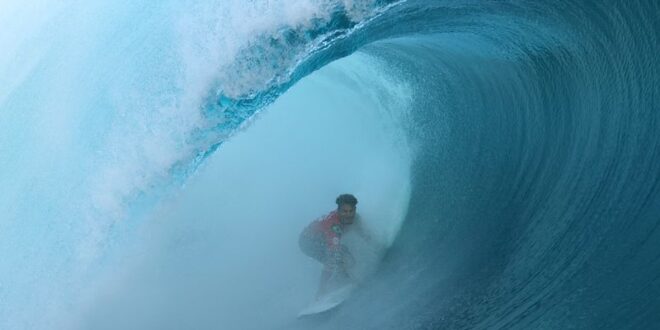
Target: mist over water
(224,252)
(158,160)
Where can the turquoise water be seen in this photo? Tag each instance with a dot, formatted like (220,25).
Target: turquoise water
(158,161)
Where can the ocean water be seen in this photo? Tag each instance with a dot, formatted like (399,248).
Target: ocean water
(158,160)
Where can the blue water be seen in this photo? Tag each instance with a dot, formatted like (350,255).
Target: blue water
(158,161)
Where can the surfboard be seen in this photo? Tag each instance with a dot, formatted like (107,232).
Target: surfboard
(327,302)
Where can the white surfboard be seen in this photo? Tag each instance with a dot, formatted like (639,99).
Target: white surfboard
(327,302)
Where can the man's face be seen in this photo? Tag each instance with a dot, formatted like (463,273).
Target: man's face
(346,213)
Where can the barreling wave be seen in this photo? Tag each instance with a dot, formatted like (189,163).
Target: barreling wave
(534,130)
(526,206)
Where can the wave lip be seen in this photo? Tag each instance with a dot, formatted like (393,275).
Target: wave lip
(275,60)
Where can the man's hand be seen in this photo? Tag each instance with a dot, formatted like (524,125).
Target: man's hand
(347,258)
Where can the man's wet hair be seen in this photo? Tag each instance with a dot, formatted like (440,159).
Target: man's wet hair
(346,199)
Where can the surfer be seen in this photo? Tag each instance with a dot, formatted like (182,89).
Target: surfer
(321,240)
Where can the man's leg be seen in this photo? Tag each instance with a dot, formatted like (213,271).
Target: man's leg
(326,274)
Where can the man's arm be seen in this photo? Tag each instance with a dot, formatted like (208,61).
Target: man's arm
(360,230)
(364,234)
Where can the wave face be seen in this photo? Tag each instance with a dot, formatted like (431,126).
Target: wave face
(535,183)
(523,136)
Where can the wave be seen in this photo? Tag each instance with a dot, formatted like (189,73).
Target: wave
(530,129)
